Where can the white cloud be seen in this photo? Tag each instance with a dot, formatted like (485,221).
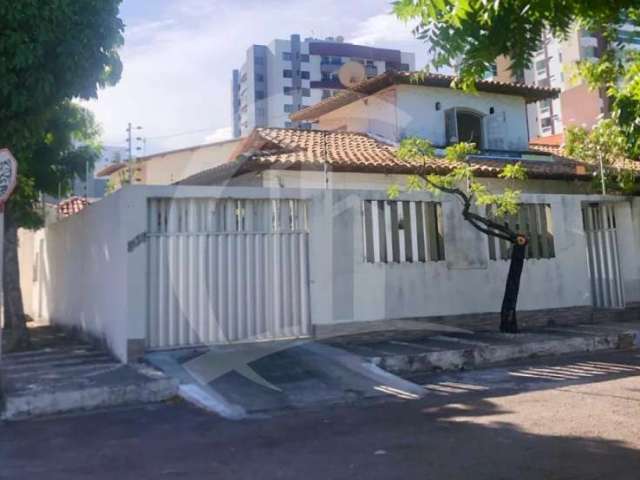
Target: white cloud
(179,54)
(380,29)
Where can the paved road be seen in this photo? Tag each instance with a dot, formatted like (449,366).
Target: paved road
(574,418)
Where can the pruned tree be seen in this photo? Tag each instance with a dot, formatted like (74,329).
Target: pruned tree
(50,53)
(474,196)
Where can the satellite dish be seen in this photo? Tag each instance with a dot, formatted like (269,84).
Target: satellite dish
(352,73)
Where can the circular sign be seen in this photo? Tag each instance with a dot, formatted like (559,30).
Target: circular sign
(8,173)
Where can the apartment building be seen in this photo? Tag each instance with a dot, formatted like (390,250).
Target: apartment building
(285,76)
(554,65)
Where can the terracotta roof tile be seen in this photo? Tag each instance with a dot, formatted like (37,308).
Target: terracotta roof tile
(357,152)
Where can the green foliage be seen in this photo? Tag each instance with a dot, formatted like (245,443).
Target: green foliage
(418,151)
(606,143)
(50,53)
(473,33)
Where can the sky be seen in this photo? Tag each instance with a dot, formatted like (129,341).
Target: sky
(179,54)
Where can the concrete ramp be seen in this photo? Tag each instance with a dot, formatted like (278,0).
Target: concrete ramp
(260,378)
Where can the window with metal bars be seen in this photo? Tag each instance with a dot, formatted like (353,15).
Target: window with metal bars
(534,221)
(402,231)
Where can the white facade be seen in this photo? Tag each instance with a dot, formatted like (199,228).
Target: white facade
(410,110)
(94,273)
(288,75)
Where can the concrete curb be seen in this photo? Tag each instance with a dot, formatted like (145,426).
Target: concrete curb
(483,355)
(41,403)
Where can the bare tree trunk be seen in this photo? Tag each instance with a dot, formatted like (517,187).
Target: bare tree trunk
(15,320)
(508,319)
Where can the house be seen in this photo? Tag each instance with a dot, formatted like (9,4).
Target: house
(358,130)
(168,167)
(295,233)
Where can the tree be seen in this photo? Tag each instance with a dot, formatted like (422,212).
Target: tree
(462,184)
(605,146)
(50,53)
(473,33)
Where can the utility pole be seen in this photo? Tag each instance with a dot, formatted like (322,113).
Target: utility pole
(130,129)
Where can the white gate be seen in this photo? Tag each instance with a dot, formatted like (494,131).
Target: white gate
(225,271)
(602,255)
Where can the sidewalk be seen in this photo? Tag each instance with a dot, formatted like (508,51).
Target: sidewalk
(64,374)
(413,351)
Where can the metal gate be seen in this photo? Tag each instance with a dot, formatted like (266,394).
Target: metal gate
(225,271)
(602,255)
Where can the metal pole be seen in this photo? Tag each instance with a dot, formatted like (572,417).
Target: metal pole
(129,142)
(602,179)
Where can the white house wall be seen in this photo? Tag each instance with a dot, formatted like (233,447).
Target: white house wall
(408,110)
(96,262)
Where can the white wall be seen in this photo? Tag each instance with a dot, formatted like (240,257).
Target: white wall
(410,110)
(94,277)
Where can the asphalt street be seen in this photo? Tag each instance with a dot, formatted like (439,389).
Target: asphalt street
(567,418)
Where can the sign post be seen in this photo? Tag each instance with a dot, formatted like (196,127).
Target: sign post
(8,175)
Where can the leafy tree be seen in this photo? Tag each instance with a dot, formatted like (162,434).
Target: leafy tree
(50,53)
(474,196)
(473,33)
(605,146)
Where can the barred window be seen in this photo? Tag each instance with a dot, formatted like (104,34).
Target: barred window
(402,231)
(533,220)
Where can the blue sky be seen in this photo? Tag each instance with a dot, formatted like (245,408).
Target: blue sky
(179,55)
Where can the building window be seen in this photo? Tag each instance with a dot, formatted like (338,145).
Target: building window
(287,90)
(259,60)
(305,75)
(402,231)
(286,56)
(259,95)
(288,108)
(546,122)
(288,124)
(326,93)
(287,73)
(306,92)
(259,77)
(462,125)
(304,58)
(532,219)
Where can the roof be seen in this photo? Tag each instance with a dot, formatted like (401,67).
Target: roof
(551,144)
(531,93)
(281,148)
(71,206)
(114,167)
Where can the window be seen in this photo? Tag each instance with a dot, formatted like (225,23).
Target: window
(532,219)
(287,73)
(305,75)
(545,122)
(286,56)
(462,125)
(287,90)
(288,108)
(259,77)
(259,60)
(259,95)
(402,231)
(326,93)
(306,92)
(541,67)
(304,58)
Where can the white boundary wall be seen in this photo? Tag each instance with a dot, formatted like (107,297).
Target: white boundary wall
(94,264)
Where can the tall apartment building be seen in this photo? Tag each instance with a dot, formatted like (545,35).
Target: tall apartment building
(554,65)
(288,75)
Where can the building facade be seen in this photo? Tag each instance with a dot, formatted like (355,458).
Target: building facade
(555,65)
(289,75)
